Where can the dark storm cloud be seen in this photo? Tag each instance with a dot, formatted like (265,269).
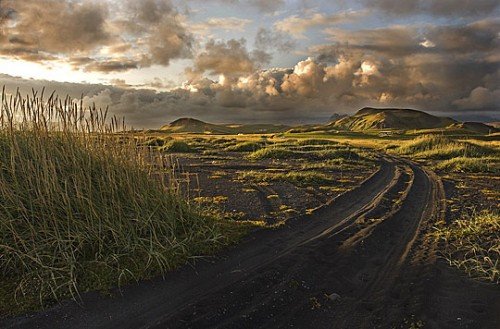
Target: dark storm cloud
(41,23)
(443,68)
(118,65)
(429,67)
(479,37)
(464,8)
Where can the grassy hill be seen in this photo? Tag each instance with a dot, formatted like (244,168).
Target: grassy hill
(190,125)
(475,127)
(370,118)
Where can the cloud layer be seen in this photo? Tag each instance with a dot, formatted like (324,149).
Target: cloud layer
(336,61)
(87,35)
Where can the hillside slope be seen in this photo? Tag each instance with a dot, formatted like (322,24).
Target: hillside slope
(387,118)
(475,127)
(195,126)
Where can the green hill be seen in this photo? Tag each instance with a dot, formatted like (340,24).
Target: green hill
(195,126)
(370,118)
(475,127)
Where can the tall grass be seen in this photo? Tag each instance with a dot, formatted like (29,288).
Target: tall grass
(441,147)
(470,165)
(83,207)
(473,245)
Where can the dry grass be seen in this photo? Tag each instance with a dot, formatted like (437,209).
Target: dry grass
(473,245)
(443,148)
(83,208)
(470,165)
(299,178)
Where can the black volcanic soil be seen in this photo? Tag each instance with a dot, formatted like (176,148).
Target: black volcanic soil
(216,182)
(359,261)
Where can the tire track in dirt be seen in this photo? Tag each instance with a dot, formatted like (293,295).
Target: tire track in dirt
(151,303)
(263,192)
(268,300)
(364,246)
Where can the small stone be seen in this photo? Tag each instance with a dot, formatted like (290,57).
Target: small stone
(333,297)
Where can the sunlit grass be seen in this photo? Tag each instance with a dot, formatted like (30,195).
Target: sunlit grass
(441,147)
(83,208)
(299,178)
(473,245)
(470,165)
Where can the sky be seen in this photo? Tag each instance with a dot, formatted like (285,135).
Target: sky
(279,61)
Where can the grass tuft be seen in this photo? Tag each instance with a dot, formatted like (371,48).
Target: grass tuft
(244,147)
(470,165)
(473,245)
(299,178)
(442,148)
(176,146)
(84,208)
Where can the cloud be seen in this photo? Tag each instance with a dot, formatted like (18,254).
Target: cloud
(114,65)
(138,34)
(305,80)
(229,58)
(267,6)
(480,98)
(222,23)
(434,7)
(39,24)
(428,67)
(297,26)
(267,39)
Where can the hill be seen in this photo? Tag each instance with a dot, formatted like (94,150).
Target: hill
(476,127)
(370,118)
(195,126)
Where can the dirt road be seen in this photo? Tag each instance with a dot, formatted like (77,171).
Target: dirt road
(360,261)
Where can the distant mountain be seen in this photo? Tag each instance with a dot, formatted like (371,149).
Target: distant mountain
(195,126)
(370,118)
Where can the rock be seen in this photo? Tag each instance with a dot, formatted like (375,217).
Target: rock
(333,297)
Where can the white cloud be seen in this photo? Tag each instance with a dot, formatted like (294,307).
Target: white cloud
(297,25)
(479,98)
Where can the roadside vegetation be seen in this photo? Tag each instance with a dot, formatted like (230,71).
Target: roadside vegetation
(473,245)
(245,147)
(176,146)
(83,208)
(292,152)
(470,165)
(452,155)
(299,178)
(443,148)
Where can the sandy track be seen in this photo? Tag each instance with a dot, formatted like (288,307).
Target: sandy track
(366,246)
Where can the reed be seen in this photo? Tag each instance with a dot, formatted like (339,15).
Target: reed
(83,206)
